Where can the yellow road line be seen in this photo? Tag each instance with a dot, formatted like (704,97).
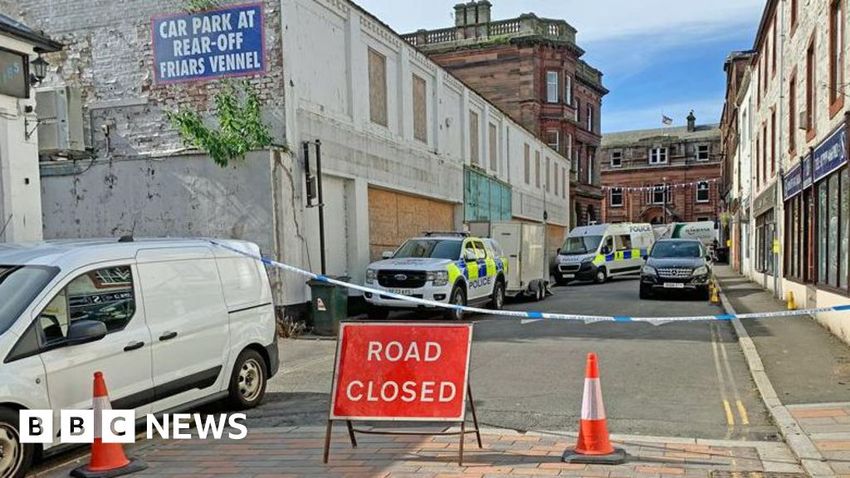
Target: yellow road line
(730,418)
(742,410)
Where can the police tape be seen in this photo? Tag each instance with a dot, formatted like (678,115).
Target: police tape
(528,315)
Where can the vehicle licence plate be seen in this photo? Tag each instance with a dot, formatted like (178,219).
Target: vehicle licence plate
(400,291)
(674,285)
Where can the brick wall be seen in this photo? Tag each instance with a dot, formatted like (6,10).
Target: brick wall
(108,56)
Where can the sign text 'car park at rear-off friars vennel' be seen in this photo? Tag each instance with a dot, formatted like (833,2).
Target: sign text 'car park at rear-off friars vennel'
(209,44)
(388,371)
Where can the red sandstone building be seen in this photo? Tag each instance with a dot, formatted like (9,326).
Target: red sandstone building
(531,68)
(662,175)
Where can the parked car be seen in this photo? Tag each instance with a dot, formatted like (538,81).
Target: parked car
(601,251)
(172,324)
(676,265)
(450,267)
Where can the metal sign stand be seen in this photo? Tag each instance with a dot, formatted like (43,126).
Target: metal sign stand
(462,433)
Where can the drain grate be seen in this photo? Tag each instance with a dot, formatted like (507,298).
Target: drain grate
(755,474)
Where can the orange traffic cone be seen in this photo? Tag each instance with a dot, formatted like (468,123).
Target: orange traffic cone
(107,459)
(593,444)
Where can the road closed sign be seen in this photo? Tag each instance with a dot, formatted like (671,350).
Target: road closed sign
(401,371)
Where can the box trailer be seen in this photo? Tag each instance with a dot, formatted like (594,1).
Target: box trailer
(524,245)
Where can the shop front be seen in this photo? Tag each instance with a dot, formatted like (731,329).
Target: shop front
(765,246)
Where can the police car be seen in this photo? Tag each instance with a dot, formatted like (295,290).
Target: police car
(449,267)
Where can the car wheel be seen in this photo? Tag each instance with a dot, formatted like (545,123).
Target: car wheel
(498,300)
(378,313)
(248,380)
(601,276)
(645,292)
(15,457)
(458,297)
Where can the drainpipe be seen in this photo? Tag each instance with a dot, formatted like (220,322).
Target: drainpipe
(780,209)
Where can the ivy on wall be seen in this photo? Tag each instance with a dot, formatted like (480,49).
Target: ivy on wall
(240,127)
(193,6)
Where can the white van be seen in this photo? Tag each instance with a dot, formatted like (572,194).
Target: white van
(602,251)
(171,324)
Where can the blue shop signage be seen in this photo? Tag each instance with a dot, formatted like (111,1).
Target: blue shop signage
(792,182)
(831,154)
(210,44)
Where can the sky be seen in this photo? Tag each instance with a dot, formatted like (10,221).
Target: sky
(658,57)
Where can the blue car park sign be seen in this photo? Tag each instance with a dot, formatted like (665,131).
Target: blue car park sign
(831,154)
(209,44)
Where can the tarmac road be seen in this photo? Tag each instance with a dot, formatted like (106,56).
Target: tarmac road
(685,379)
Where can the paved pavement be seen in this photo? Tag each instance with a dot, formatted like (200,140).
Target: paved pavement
(804,361)
(685,379)
(828,426)
(297,451)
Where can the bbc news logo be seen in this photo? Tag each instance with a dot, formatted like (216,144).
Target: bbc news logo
(119,426)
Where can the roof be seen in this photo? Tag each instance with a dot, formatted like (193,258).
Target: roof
(82,251)
(681,133)
(18,30)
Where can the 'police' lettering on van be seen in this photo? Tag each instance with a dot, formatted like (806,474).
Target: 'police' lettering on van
(409,371)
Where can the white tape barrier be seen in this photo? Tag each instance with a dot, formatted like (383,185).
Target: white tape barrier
(537,315)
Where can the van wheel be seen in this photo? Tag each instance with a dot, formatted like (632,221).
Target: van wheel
(601,276)
(498,300)
(458,297)
(15,457)
(248,381)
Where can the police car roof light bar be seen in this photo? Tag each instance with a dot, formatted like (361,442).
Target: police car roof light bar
(446,233)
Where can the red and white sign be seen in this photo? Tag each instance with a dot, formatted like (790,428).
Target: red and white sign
(401,371)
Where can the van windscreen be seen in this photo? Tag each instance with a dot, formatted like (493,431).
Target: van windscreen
(581,245)
(18,287)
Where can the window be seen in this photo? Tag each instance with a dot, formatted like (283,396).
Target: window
(758,161)
(794,14)
(703,218)
(527,161)
(537,168)
(555,176)
(836,54)
(623,243)
(773,143)
(564,182)
(15,67)
(811,89)
(590,118)
(552,87)
(377,88)
(616,199)
(553,139)
(832,230)
(657,194)
(703,152)
(548,161)
(703,191)
(794,238)
(773,48)
(764,154)
(792,113)
(474,140)
(494,147)
(765,228)
(658,155)
(616,159)
(568,89)
(104,295)
(591,159)
(420,109)
(568,146)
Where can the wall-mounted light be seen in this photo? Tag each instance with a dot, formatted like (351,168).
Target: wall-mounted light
(38,70)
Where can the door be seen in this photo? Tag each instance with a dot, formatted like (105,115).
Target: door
(188,320)
(624,259)
(109,295)
(508,236)
(483,287)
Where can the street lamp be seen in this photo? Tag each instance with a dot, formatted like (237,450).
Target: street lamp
(38,70)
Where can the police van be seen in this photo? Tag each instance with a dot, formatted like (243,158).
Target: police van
(601,251)
(450,267)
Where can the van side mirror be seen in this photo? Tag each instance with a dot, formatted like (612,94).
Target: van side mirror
(558,252)
(605,250)
(387,255)
(85,331)
(645,258)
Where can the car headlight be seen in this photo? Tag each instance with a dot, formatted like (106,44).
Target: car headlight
(648,270)
(371,275)
(700,271)
(587,260)
(439,278)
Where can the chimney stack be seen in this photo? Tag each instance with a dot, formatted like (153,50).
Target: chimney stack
(472,13)
(692,122)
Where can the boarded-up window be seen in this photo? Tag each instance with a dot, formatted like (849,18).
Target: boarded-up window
(420,110)
(537,168)
(494,148)
(547,173)
(527,156)
(473,138)
(377,88)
